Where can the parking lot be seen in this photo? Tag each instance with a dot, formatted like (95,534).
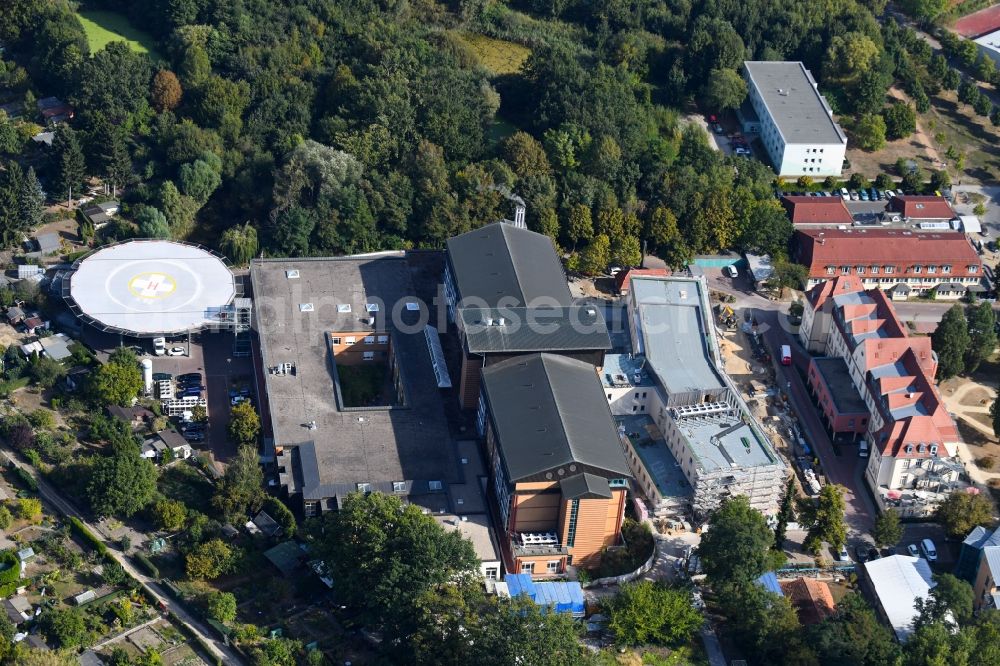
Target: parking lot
(209,354)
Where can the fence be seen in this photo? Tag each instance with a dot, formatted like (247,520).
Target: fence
(624,578)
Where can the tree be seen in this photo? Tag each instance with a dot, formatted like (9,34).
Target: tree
(645,612)
(381,581)
(950,341)
(960,512)
(66,164)
(786,514)
(518,631)
(116,383)
(925,10)
(950,595)
(46,371)
(762,623)
(152,223)
(199,179)
(30,200)
(580,226)
(5,517)
(870,132)
(724,89)
(626,251)
(170,515)
(735,548)
(825,517)
(242,487)
(788,275)
(65,626)
(222,606)
(900,121)
(121,484)
(525,155)
(282,515)
(853,635)
(167,92)
(595,258)
(239,243)
(28,508)
(10,140)
(887,530)
(208,560)
(940,180)
(244,424)
(982,335)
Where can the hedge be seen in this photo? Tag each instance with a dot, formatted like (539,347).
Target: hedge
(148,565)
(11,573)
(88,536)
(25,478)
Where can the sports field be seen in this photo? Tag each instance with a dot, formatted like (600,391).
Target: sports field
(103,27)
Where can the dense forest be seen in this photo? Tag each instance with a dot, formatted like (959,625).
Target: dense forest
(324,127)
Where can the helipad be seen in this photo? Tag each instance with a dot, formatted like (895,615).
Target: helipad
(150,287)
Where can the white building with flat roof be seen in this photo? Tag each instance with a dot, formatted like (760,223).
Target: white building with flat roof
(989,45)
(796,124)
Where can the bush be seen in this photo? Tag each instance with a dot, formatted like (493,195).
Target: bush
(639,546)
(25,478)
(10,567)
(986,462)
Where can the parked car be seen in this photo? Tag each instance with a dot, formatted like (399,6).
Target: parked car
(913,550)
(175,351)
(194,436)
(861,553)
(162,376)
(863,194)
(854,195)
(238,399)
(890,194)
(844,194)
(930,552)
(188,376)
(842,555)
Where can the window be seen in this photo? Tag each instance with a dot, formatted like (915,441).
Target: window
(369,339)
(643,394)
(618,483)
(399,486)
(364,487)
(845,270)
(903,480)
(305,307)
(609,397)
(874,270)
(574,508)
(336,341)
(860,270)
(434,485)
(292,274)
(383,339)
(917,268)
(372,307)
(527,567)
(932,269)
(830,270)
(350,339)
(889,270)
(492,573)
(973,269)
(906,464)
(946,269)
(369,356)
(552,566)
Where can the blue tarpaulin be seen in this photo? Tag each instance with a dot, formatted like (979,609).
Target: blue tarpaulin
(563,597)
(769,581)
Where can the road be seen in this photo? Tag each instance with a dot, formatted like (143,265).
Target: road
(193,624)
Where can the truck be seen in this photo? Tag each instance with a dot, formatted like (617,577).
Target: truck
(159,346)
(786,355)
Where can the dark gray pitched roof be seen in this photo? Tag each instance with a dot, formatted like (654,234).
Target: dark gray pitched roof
(501,260)
(574,327)
(585,486)
(550,411)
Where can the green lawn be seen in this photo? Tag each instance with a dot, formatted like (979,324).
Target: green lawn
(104,27)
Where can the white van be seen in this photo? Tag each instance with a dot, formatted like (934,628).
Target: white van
(159,346)
(863,449)
(731,271)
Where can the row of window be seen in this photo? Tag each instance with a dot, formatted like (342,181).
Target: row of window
(552,567)
(889,269)
(368,340)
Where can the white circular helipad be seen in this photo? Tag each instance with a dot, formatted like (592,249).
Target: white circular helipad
(151,287)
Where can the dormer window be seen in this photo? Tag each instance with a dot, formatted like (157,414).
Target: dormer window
(909,448)
(921,448)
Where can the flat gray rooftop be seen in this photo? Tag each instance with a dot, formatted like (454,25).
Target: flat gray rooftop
(789,93)
(724,441)
(377,445)
(838,379)
(674,335)
(620,371)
